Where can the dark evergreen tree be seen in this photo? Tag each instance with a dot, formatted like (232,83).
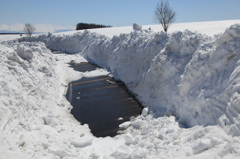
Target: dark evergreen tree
(83,26)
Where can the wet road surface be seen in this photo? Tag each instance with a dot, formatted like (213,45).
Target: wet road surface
(100,102)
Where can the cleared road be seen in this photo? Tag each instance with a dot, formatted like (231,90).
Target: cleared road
(100,102)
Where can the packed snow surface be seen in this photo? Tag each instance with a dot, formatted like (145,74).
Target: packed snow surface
(188,82)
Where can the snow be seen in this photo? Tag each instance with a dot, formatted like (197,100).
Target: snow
(137,27)
(145,112)
(43,28)
(124,125)
(187,81)
(35,119)
(8,37)
(24,53)
(209,28)
(200,69)
(83,141)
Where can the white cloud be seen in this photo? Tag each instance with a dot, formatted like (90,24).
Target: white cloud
(18,27)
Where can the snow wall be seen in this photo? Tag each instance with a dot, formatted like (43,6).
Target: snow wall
(189,75)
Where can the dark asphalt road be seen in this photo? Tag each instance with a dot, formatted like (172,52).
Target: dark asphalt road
(100,102)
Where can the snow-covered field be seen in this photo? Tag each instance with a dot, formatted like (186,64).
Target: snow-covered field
(210,28)
(188,82)
(8,37)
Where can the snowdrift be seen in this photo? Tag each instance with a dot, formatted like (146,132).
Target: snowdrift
(192,76)
(34,117)
(186,74)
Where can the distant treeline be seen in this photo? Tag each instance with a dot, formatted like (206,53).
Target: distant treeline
(82,26)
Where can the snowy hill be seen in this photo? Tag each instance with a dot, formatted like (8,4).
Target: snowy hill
(209,28)
(201,70)
(188,81)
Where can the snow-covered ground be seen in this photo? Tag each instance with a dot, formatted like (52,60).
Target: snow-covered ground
(40,28)
(189,83)
(35,119)
(210,28)
(8,37)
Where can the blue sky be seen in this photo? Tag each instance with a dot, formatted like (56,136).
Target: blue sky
(112,12)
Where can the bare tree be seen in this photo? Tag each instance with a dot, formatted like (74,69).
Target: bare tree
(164,14)
(29,29)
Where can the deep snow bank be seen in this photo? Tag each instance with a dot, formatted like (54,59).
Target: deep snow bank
(186,74)
(34,116)
(29,86)
(35,119)
(193,76)
(197,79)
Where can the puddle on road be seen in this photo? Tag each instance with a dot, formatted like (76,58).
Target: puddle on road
(100,102)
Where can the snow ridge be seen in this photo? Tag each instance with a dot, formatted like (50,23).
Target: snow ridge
(187,74)
(34,117)
(191,76)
